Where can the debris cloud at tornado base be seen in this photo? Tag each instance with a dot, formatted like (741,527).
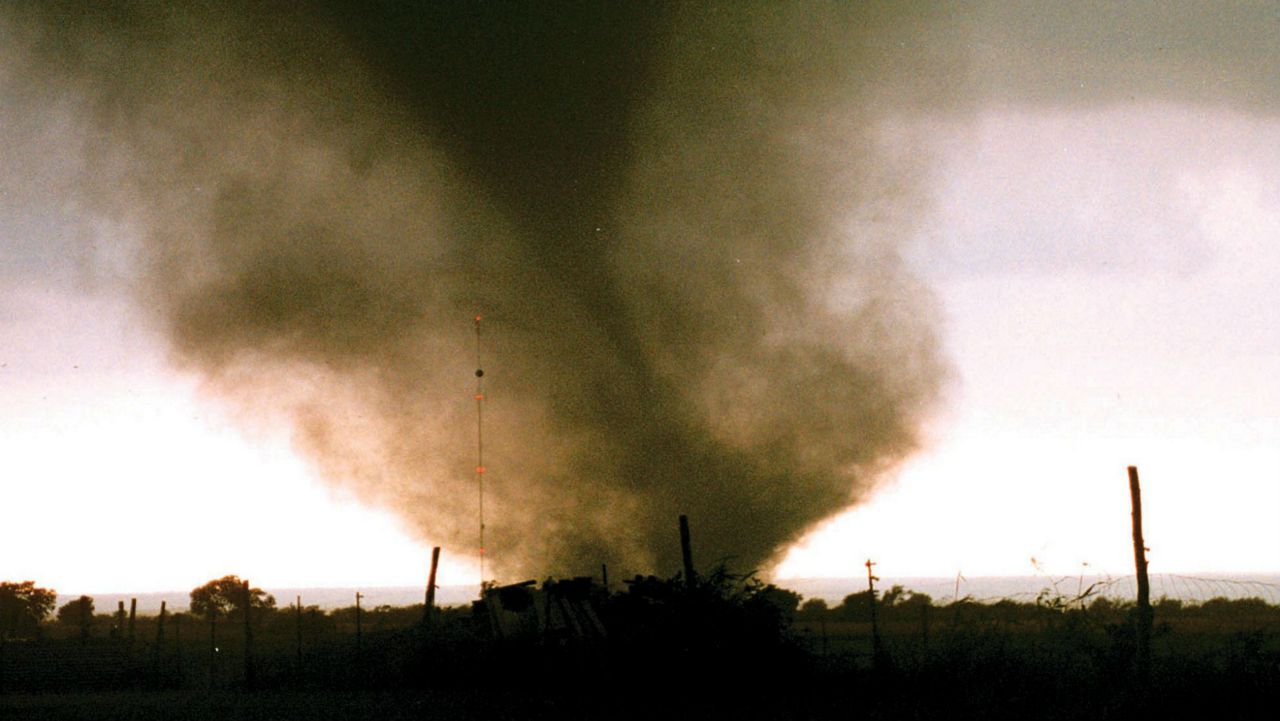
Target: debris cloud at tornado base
(680,224)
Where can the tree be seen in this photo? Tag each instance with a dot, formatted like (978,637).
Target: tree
(784,602)
(23,606)
(77,612)
(813,608)
(897,597)
(855,606)
(225,597)
(893,595)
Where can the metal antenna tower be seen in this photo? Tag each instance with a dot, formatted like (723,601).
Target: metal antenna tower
(480,447)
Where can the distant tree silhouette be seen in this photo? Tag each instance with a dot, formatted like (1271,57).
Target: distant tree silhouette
(77,612)
(71,612)
(782,601)
(899,598)
(854,607)
(813,608)
(23,606)
(224,597)
(892,596)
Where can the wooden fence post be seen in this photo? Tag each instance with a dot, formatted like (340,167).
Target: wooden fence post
(877,650)
(1142,661)
(249,679)
(429,606)
(133,614)
(359,630)
(177,644)
(159,650)
(686,552)
(298,631)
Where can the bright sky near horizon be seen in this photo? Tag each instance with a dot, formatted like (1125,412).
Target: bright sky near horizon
(1108,282)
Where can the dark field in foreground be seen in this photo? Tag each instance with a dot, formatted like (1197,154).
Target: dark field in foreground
(231,704)
(726,647)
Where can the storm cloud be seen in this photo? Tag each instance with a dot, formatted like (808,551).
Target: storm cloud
(681,224)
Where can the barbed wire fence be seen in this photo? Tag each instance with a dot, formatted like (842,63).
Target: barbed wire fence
(1186,588)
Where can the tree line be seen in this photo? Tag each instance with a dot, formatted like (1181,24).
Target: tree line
(25,608)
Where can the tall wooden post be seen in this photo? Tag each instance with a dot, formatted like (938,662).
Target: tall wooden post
(877,651)
(159,640)
(298,629)
(248,638)
(429,607)
(160,626)
(359,634)
(686,551)
(1142,662)
(133,615)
